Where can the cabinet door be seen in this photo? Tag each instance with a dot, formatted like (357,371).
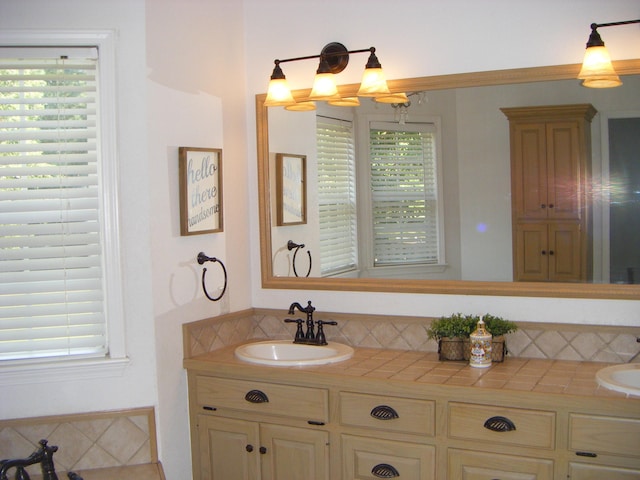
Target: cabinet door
(294,453)
(529,175)
(563,171)
(583,471)
(229,449)
(470,465)
(531,252)
(565,253)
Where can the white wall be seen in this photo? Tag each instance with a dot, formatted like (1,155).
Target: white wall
(417,38)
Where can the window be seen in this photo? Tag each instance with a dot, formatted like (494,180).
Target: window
(336,195)
(59,255)
(404,194)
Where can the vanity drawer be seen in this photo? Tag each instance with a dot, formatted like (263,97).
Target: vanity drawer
(470,465)
(372,458)
(601,435)
(309,404)
(395,414)
(531,428)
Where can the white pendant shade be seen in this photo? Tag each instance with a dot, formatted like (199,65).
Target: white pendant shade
(279,94)
(324,87)
(393,98)
(373,83)
(597,70)
(345,102)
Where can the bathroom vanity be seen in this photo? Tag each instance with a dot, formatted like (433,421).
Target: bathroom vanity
(404,414)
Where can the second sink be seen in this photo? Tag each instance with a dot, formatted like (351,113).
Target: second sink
(285,353)
(621,378)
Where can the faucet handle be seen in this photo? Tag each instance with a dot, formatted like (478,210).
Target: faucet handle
(320,337)
(299,332)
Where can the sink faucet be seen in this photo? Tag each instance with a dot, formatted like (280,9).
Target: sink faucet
(310,336)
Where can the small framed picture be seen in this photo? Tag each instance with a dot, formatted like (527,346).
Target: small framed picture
(200,171)
(291,189)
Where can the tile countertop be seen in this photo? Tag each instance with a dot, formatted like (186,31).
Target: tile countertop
(518,374)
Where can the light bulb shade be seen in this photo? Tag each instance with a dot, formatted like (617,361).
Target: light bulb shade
(373,83)
(279,93)
(324,87)
(597,70)
(301,107)
(393,98)
(345,102)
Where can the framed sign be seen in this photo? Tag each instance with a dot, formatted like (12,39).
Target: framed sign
(200,171)
(291,189)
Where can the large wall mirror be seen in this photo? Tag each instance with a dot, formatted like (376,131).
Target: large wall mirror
(474,181)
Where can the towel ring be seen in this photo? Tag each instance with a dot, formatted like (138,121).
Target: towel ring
(291,245)
(203,258)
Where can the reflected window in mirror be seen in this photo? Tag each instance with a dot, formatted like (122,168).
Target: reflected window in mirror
(405,201)
(336,195)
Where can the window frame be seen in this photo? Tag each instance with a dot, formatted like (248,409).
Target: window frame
(365,214)
(113,364)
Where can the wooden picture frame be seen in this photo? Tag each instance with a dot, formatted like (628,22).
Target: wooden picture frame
(200,172)
(291,189)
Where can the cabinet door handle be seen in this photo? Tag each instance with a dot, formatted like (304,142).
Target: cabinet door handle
(551,205)
(384,470)
(263,450)
(384,412)
(544,252)
(499,424)
(543,206)
(249,448)
(550,252)
(256,396)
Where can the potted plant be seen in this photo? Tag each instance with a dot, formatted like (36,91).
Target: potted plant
(450,332)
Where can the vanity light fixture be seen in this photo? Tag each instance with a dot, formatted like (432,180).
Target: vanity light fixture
(597,70)
(334,58)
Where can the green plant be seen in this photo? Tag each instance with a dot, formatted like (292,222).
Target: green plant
(456,325)
(459,325)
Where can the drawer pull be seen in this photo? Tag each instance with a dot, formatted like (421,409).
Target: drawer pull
(314,422)
(499,424)
(384,470)
(587,454)
(384,412)
(211,409)
(256,396)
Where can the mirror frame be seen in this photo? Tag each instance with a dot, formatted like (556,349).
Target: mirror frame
(456,287)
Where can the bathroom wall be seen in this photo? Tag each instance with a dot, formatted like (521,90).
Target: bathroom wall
(430,38)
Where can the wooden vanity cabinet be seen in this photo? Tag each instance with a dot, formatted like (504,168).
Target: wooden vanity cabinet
(550,192)
(247,430)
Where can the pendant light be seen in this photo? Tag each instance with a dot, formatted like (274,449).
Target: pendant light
(597,70)
(373,83)
(278,93)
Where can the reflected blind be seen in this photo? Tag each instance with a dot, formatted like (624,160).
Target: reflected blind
(404,193)
(51,282)
(336,195)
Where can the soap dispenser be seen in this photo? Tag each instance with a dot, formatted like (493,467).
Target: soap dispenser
(480,341)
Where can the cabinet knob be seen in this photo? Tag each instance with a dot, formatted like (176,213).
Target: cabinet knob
(499,424)
(551,205)
(543,206)
(544,252)
(249,448)
(263,450)
(256,396)
(384,470)
(550,252)
(384,412)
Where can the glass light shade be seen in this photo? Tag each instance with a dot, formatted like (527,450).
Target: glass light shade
(301,107)
(373,83)
(278,94)
(597,70)
(393,98)
(324,87)
(345,102)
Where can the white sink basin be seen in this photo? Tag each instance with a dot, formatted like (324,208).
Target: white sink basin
(286,353)
(621,378)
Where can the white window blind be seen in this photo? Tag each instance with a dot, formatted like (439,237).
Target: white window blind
(336,195)
(51,261)
(404,193)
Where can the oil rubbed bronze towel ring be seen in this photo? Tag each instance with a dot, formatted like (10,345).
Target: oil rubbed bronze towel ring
(292,245)
(203,258)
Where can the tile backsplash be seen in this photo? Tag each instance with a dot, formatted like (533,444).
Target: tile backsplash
(531,340)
